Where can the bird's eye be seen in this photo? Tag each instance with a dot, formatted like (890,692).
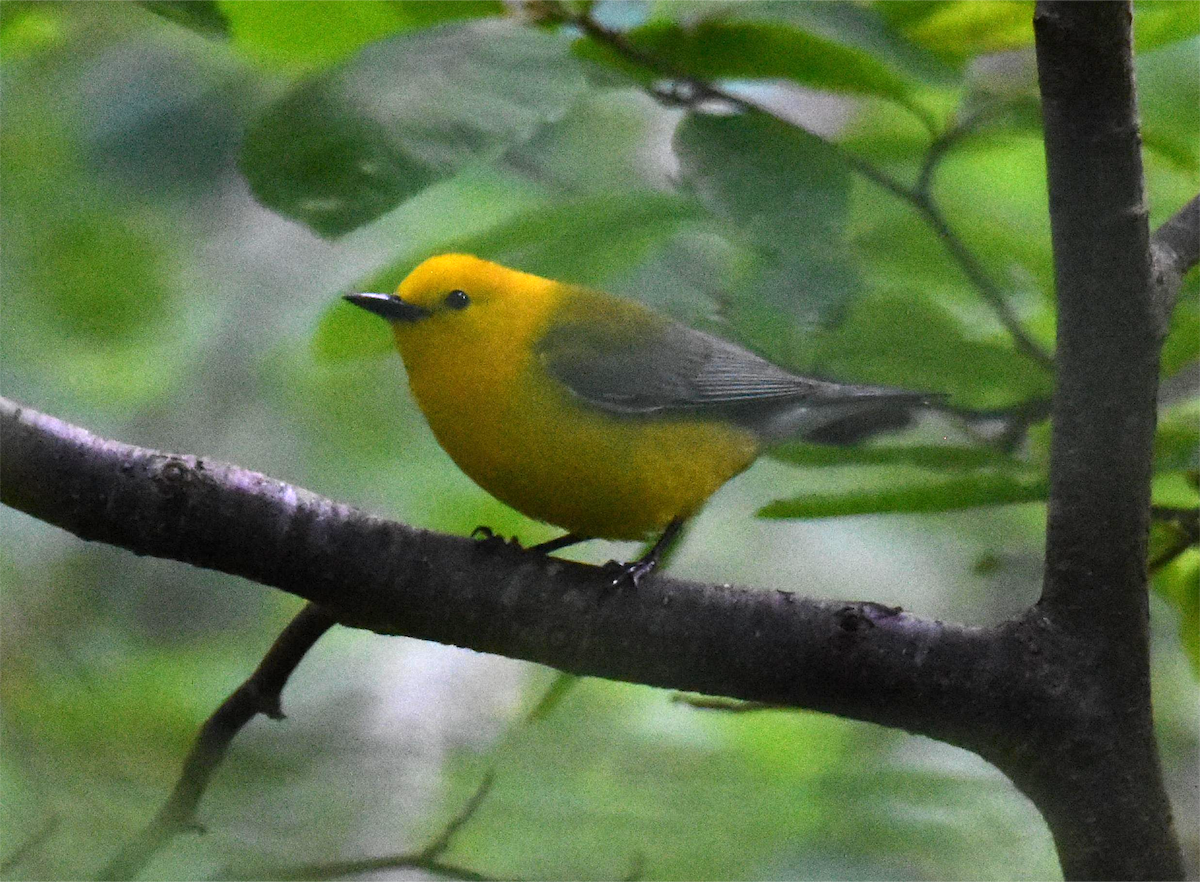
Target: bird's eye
(457,299)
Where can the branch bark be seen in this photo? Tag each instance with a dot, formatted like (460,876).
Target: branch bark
(1101,792)
(856,659)
(1012,693)
(1174,249)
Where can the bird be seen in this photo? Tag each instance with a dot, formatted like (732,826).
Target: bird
(594,413)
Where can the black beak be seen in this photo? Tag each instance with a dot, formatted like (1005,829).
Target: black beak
(388,306)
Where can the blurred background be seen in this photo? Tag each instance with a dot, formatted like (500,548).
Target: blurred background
(186,190)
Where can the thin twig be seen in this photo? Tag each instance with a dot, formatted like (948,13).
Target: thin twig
(1187,518)
(921,197)
(341,869)
(701,91)
(427,859)
(1181,233)
(940,147)
(730,705)
(1003,427)
(400,862)
(440,843)
(1181,544)
(1186,523)
(987,288)
(562,683)
(917,196)
(30,845)
(259,694)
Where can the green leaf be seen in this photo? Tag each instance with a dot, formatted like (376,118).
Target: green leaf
(907,339)
(928,456)
(425,13)
(1168,83)
(775,181)
(905,16)
(582,241)
(1169,145)
(202,16)
(317,33)
(785,191)
(753,50)
(615,129)
(27,28)
(307,33)
(688,12)
(1156,23)
(346,146)
(1177,442)
(1182,346)
(832,799)
(313,158)
(959,31)
(919,494)
(1178,583)
(863,28)
(103,282)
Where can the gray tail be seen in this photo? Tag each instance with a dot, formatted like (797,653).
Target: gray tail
(854,428)
(855,418)
(882,410)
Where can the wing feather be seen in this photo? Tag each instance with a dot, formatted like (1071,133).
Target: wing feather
(625,359)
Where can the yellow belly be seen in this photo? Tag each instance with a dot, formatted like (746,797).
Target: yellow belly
(553,457)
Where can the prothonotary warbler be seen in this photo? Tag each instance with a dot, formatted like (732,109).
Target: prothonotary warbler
(589,412)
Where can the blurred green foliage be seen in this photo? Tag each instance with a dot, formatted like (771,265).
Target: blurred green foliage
(185,190)
(731,49)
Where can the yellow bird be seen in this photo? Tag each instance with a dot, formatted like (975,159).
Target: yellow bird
(589,412)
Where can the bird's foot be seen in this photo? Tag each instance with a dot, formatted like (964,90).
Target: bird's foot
(631,573)
(492,541)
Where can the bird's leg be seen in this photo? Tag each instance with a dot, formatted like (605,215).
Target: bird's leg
(555,544)
(490,538)
(635,571)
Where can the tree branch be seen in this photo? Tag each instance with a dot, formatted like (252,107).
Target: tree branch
(855,659)
(1004,428)
(954,134)
(260,694)
(1102,447)
(983,282)
(1185,523)
(1174,249)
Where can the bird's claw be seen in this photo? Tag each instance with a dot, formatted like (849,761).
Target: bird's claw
(490,539)
(631,573)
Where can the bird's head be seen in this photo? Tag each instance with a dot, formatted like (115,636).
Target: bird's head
(462,301)
(452,284)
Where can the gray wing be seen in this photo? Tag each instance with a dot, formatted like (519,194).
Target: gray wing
(667,367)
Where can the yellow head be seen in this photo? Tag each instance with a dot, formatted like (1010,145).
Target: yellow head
(460,305)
